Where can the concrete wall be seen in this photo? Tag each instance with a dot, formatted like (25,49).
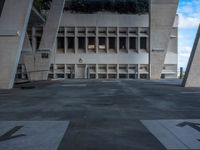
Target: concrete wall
(104,20)
(36,64)
(192,75)
(13,25)
(162,18)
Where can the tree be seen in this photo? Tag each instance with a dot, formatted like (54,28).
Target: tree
(42,4)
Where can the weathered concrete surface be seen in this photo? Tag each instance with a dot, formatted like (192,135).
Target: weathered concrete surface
(40,66)
(27,45)
(176,134)
(32,135)
(162,16)
(192,74)
(104,115)
(13,24)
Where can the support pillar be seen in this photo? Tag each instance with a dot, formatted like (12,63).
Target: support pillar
(13,25)
(162,16)
(192,74)
(42,58)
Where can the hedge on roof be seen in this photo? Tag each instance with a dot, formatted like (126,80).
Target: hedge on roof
(119,6)
(42,4)
(92,6)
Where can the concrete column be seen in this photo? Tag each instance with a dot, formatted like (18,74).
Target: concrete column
(97,70)
(13,24)
(138,40)
(107,41)
(162,16)
(192,74)
(27,51)
(41,60)
(138,71)
(65,40)
(76,40)
(117,40)
(97,41)
(117,71)
(107,44)
(127,44)
(33,39)
(86,40)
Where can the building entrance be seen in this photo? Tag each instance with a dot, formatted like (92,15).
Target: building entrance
(80,73)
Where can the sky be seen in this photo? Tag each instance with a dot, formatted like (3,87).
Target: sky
(189,20)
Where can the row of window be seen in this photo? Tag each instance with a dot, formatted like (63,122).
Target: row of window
(92,68)
(102,31)
(103,43)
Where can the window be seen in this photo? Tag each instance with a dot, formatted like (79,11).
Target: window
(70,41)
(81,43)
(143,43)
(91,43)
(1,6)
(71,31)
(60,67)
(132,43)
(61,30)
(60,42)
(143,76)
(45,55)
(112,43)
(102,43)
(38,39)
(122,43)
(81,30)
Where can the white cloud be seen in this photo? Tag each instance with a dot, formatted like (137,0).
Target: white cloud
(189,14)
(189,18)
(188,21)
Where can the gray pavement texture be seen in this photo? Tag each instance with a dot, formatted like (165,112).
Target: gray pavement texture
(176,134)
(31,135)
(103,114)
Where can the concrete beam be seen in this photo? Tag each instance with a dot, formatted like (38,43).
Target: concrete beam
(43,55)
(162,16)
(14,19)
(192,75)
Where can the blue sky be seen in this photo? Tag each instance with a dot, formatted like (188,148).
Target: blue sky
(189,19)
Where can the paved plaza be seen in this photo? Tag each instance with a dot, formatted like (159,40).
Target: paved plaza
(100,115)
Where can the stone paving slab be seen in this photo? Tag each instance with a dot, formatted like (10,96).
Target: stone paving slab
(31,135)
(176,134)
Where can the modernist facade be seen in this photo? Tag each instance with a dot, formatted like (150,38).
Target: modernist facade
(102,44)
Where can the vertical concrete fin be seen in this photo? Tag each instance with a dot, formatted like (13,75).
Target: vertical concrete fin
(52,25)
(42,57)
(192,74)
(162,16)
(13,24)
(27,45)
(27,55)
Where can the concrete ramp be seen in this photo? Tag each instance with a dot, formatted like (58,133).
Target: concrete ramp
(162,16)
(192,75)
(13,25)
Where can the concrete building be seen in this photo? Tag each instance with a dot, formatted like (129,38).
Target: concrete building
(192,72)
(102,41)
